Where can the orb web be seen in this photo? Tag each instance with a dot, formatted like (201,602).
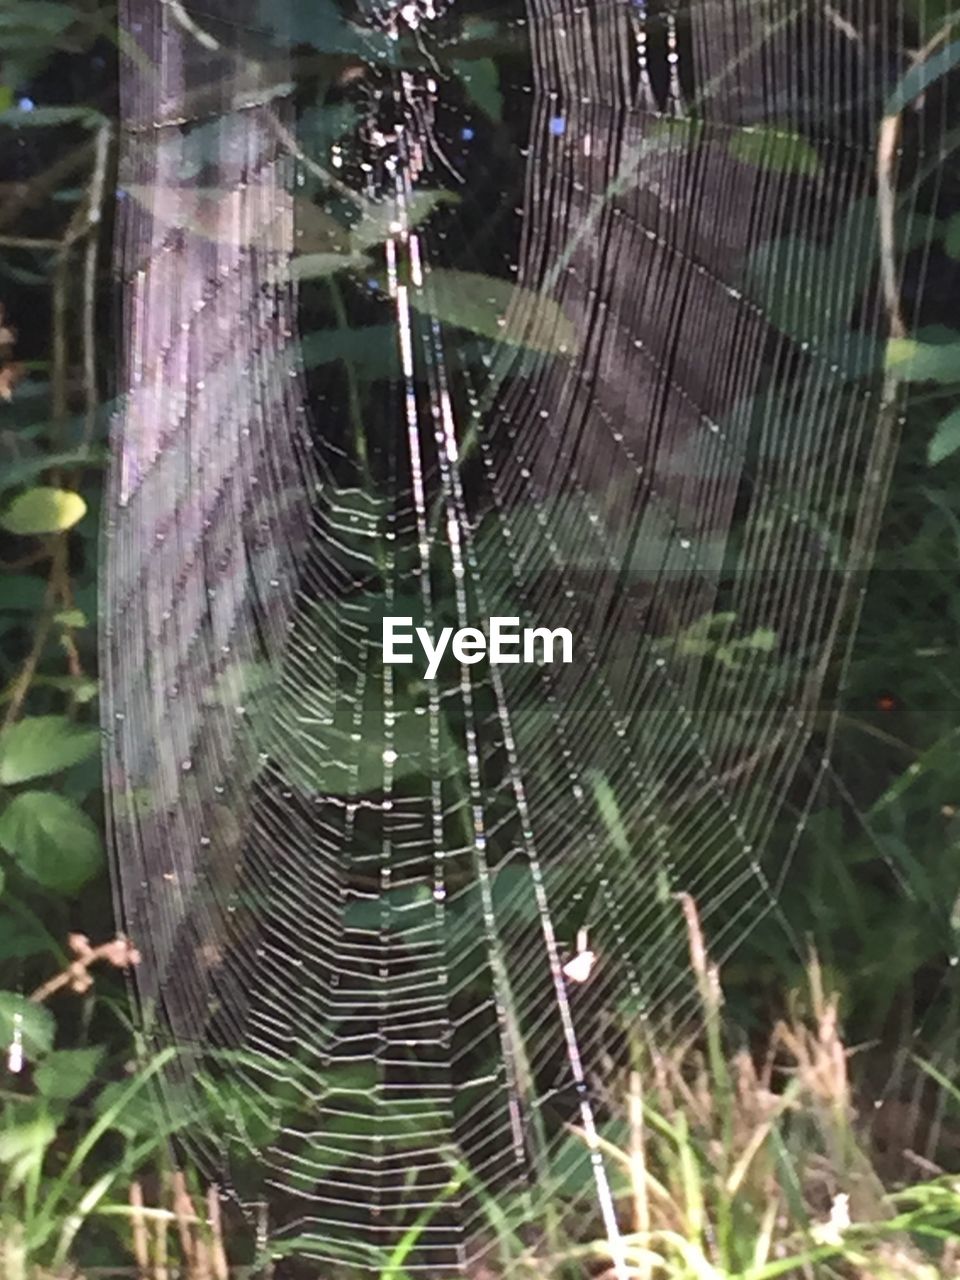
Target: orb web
(603,350)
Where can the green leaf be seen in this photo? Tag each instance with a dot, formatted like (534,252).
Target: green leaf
(318,231)
(47,16)
(83,688)
(41,745)
(321,126)
(497,309)
(51,117)
(83,780)
(782,276)
(378,220)
(52,840)
(65,1073)
(35,1021)
(917,361)
(23,1145)
(21,592)
(314,266)
(43,510)
(763,640)
(139,1116)
(606,802)
(19,472)
(946,438)
(921,76)
(481,80)
(951,238)
(20,938)
(208,213)
(322,25)
(776,151)
(372,351)
(70,618)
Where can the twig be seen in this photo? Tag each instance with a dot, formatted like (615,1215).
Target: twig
(141,1250)
(60,581)
(119,953)
(221,1270)
(20,686)
(36,191)
(60,352)
(95,194)
(888,143)
(24,562)
(28,242)
(353,391)
(183,1208)
(638,1167)
(161,1250)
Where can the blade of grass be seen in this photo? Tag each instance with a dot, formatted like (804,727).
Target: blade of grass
(102,1126)
(407,1242)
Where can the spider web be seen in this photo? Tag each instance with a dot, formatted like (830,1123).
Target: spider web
(404,933)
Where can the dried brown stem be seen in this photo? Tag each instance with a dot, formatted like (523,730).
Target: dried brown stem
(119,953)
(141,1250)
(94,214)
(183,1209)
(218,1254)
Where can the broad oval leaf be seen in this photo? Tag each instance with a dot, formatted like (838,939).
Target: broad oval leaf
(496,309)
(481,82)
(35,1023)
(21,594)
(65,1073)
(29,1129)
(371,351)
(946,438)
(776,151)
(43,510)
(52,840)
(42,15)
(71,618)
(41,745)
(916,361)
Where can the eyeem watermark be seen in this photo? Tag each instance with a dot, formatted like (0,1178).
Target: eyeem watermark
(503,641)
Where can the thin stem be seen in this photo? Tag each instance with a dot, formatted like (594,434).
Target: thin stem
(27,242)
(353,391)
(20,686)
(95,196)
(40,187)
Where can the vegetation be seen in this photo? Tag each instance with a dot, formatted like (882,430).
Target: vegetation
(761,1145)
